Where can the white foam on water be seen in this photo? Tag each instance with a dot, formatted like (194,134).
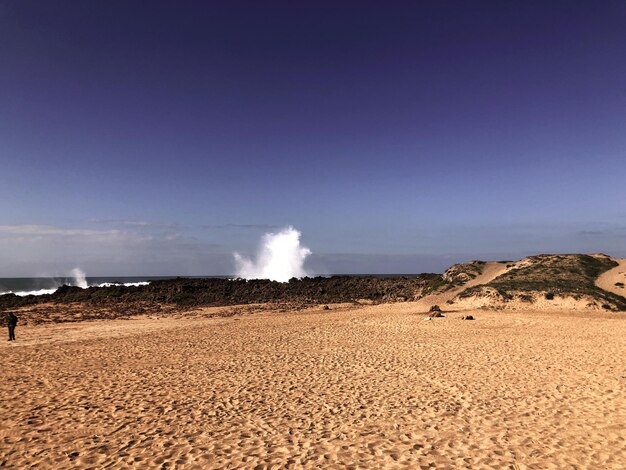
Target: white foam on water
(32,292)
(125,284)
(79,279)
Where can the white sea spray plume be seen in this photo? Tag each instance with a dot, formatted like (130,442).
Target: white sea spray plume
(279,258)
(79,278)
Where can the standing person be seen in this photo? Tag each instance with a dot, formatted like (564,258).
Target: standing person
(12,323)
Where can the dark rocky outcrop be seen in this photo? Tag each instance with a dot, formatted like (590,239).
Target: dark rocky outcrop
(217,292)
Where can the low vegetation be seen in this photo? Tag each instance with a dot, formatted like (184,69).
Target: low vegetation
(555,275)
(460,274)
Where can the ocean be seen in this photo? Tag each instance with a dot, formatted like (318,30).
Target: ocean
(47,285)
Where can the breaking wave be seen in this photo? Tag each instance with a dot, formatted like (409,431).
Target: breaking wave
(125,284)
(32,292)
(77,279)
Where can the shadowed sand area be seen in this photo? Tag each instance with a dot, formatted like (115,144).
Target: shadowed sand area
(363,387)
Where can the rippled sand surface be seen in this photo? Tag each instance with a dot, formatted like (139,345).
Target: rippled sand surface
(374,387)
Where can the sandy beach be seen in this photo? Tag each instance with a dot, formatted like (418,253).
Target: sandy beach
(312,235)
(353,387)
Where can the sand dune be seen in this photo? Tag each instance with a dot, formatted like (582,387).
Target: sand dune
(611,279)
(367,387)
(490,271)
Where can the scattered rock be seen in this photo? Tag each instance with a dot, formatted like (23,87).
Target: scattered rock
(438,315)
(427,318)
(325,307)
(467,317)
(435,308)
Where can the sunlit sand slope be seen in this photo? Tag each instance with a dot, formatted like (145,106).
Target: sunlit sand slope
(489,271)
(614,280)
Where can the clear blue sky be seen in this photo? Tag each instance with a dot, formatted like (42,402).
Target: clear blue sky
(159,137)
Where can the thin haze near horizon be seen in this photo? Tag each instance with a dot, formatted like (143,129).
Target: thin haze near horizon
(158,138)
